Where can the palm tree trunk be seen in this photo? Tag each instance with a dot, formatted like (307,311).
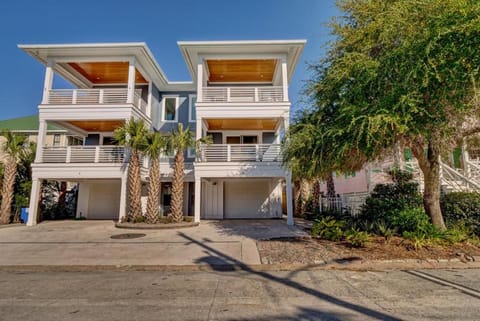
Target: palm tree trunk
(177,187)
(153,192)
(134,188)
(316,194)
(8,185)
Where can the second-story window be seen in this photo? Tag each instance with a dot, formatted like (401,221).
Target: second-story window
(56,140)
(192,108)
(169,110)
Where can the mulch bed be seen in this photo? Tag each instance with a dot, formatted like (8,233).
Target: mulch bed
(306,250)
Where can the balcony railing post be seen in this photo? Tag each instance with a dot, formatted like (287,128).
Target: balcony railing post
(228,94)
(100,96)
(69,154)
(74,96)
(97,154)
(257,153)
(256,95)
(229,153)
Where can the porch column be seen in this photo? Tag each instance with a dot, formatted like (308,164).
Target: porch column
(149,103)
(131,81)
(48,83)
(42,133)
(285,78)
(34,200)
(122,213)
(198,198)
(288,180)
(465,158)
(200,80)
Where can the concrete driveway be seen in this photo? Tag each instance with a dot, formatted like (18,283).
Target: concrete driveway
(101,243)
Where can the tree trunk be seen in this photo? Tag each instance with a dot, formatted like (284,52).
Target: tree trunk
(153,192)
(331,186)
(316,194)
(177,187)
(297,199)
(62,196)
(10,172)
(134,189)
(430,166)
(305,195)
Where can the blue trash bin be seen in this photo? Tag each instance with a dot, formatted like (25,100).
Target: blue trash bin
(24,215)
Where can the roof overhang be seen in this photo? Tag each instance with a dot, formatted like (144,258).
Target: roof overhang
(144,59)
(194,51)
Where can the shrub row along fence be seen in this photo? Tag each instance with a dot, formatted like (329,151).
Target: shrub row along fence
(350,203)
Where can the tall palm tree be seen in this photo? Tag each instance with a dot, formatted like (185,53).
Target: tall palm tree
(180,140)
(13,147)
(132,135)
(156,144)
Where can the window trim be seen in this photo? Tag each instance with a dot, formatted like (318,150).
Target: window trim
(190,105)
(164,114)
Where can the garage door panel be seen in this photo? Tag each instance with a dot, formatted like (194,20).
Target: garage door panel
(104,203)
(247,199)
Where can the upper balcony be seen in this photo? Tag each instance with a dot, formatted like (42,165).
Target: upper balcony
(241,94)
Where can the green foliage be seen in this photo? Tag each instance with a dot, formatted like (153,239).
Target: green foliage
(357,238)
(410,219)
(132,135)
(460,232)
(387,200)
(328,228)
(462,207)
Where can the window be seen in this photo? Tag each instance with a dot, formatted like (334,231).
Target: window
(192,108)
(170,105)
(56,140)
(191,152)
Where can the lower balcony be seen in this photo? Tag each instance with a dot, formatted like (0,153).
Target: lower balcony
(239,153)
(83,154)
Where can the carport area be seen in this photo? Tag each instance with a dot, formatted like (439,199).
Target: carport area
(101,243)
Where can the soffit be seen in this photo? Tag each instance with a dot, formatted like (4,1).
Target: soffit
(241,70)
(242,124)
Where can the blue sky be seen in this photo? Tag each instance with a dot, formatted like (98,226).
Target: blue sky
(158,23)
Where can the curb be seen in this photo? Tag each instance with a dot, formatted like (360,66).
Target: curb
(380,265)
(169,226)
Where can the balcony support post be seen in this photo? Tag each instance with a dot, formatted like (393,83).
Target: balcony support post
(123,197)
(35,196)
(285,79)
(229,153)
(198,198)
(200,80)
(42,133)
(48,83)
(149,100)
(288,182)
(69,154)
(131,81)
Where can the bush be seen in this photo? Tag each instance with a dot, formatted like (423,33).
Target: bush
(462,207)
(410,219)
(357,238)
(387,200)
(328,228)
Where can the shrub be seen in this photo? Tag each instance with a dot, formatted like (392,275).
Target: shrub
(388,199)
(462,207)
(357,238)
(460,232)
(410,219)
(328,228)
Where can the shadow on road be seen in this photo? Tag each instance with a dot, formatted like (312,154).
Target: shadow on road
(222,262)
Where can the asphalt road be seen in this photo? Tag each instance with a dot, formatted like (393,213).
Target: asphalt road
(241,295)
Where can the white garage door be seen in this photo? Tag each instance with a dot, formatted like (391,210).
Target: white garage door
(246,198)
(104,202)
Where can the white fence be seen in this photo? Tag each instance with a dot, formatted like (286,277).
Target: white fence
(350,203)
(83,154)
(266,94)
(239,153)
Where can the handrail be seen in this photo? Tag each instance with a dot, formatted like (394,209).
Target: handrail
(83,154)
(456,180)
(239,153)
(241,94)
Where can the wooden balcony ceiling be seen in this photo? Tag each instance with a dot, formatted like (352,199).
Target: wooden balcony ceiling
(97,126)
(242,124)
(241,70)
(106,72)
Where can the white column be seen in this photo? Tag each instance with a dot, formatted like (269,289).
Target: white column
(131,81)
(34,200)
(200,80)
(149,103)
(48,83)
(285,79)
(83,199)
(42,133)
(198,198)
(198,128)
(288,180)
(465,158)
(123,197)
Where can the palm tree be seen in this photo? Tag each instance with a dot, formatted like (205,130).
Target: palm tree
(156,145)
(180,140)
(132,135)
(13,147)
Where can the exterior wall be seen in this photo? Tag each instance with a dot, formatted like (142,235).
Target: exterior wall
(349,184)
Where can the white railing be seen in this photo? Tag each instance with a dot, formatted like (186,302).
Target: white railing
(266,94)
(109,96)
(350,203)
(456,181)
(239,153)
(83,154)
